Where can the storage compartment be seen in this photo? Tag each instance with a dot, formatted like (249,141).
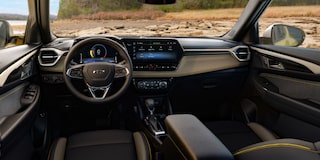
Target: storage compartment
(189,138)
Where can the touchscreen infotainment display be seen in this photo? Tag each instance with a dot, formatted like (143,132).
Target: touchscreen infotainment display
(154,54)
(156,57)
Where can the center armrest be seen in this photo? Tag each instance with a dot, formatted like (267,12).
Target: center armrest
(195,140)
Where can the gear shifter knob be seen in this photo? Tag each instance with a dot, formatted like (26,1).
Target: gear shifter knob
(150,105)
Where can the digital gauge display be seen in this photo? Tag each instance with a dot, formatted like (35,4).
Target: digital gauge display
(98,51)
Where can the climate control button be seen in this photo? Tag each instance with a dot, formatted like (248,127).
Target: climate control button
(152,84)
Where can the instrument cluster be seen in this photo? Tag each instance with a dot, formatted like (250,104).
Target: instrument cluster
(97,52)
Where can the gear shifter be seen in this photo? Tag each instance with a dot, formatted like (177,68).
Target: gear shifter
(150,105)
(151,120)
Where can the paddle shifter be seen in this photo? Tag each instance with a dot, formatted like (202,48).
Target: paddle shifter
(151,120)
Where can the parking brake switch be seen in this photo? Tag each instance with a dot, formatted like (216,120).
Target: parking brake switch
(151,120)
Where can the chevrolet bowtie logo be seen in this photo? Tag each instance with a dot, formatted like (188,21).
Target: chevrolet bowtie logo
(98,71)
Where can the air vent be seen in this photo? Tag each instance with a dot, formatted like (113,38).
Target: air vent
(49,56)
(242,53)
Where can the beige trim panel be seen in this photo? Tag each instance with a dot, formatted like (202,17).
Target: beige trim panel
(195,64)
(5,74)
(233,51)
(311,66)
(189,65)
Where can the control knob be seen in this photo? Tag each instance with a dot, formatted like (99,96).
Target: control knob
(163,84)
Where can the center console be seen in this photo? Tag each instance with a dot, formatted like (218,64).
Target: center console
(190,139)
(172,136)
(157,55)
(153,111)
(153,55)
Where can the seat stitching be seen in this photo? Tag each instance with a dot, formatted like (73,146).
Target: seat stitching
(289,145)
(71,148)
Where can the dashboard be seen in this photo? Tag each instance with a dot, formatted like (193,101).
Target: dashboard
(153,58)
(146,54)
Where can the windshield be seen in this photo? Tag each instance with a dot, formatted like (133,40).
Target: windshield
(185,18)
(131,18)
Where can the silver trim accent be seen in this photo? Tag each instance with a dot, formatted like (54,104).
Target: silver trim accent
(98,71)
(311,66)
(5,74)
(234,53)
(105,90)
(206,50)
(58,56)
(72,68)
(159,133)
(230,50)
(119,66)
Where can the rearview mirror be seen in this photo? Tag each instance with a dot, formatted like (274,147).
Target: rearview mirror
(158,1)
(5,33)
(283,35)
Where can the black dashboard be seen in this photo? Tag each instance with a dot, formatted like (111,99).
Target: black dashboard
(156,60)
(152,57)
(146,54)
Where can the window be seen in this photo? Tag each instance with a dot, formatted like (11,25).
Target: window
(303,15)
(13,19)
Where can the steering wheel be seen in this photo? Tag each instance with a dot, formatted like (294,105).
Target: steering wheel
(98,76)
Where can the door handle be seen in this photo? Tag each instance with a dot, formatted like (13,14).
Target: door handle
(278,65)
(273,64)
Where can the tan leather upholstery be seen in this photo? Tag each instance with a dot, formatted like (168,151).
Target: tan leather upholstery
(58,149)
(263,133)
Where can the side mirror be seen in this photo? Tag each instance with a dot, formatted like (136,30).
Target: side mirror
(283,35)
(5,33)
(158,1)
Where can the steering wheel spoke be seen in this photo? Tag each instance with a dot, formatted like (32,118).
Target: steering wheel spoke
(99,93)
(120,71)
(76,71)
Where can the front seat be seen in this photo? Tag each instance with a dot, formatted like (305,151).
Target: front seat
(101,145)
(280,149)
(236,135)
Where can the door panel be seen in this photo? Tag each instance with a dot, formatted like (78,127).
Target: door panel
(294,88)
(288,81)
(19,97)
(277,56)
